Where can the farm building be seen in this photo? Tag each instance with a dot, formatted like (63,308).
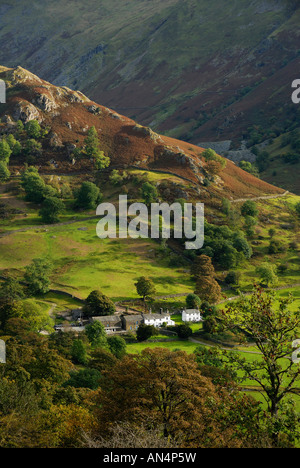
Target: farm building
(111,323)
(191,315)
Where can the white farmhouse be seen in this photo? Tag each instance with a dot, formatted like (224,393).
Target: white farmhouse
(191,315)
(157,320)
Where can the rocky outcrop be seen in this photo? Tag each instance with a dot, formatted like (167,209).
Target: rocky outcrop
(45,103)
(25,111)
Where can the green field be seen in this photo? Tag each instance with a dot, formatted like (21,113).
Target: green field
(84,262)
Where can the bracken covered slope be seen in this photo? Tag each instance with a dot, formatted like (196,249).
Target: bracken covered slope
(69,114)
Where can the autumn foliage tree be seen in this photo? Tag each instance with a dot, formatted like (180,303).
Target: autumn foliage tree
(164,390)
(203,272)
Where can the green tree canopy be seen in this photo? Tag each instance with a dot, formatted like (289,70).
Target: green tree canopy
(33,129)
(145,287)
(37,276)
(88,196)
(4,171)
(96,334)
(193,301)
(97,304)
(249,208)
(51,209)
(5,151)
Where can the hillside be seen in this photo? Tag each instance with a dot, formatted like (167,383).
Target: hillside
(69,114)
(198,71)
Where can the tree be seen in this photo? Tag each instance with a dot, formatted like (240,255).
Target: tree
(149,193)
(91,143)
(33,185)
(84,378)
(144,332)
(267,273)
(192,301)
(207,288)
(51,209)
(37,276)
(88,196)
(184,331)
(226,206)
(117,346)
(4,172)
(202,266)
(101,161)
(233,278)
(102,359)
(33,129)
(247,166)
(9,309)
(37,318)
(11,289)
(272,328)
(250,222)
(249,208)
(92,150)
(5,151)
(241,245)
(79,352)
(145,287)
(215,163)
(165,390)
(33,148)
(97,304)
(96,334)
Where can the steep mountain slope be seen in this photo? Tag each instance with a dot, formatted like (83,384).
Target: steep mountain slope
(199,70)
(69,114)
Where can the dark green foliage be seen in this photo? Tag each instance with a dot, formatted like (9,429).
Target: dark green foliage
(225,247)
(249,208)
(144,332)
(92,150)
(241,245)
(117,346)
(33,129)
(233,278)
(262,160)
(88,196)
(248,167)
(5,151)
(79,352)
(37,276)
(96,334)
(35,188)
(51,209)
(192,301)
(145,287)
(97,304)
(183,331)
(149,193)
(84,378)
(4,171)
(11,289)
